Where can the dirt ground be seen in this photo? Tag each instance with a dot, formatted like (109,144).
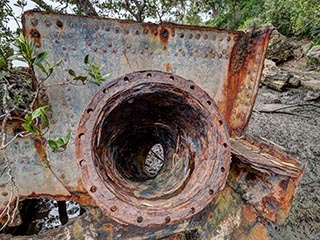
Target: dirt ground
(298,131)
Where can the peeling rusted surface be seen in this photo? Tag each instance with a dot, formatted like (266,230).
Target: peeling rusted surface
(224,68)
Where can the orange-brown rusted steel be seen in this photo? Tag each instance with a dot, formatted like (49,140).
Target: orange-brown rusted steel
(224,68)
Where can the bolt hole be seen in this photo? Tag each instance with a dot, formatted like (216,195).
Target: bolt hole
(149,75)
(113,208)
(126,79)
(223,169)
(93,189)
(192,87)
(59,24)
(167,219)
(209,102)
(220,122)
(225,145)
(80,135)
(193,210)
(104,90)
(171,77)
(210,192)
(89,110)
(164,33)
(140,219)
(82,163)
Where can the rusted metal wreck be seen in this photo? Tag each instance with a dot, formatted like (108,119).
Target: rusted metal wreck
(190,89)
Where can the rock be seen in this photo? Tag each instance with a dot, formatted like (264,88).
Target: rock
(294,82)
(311,95)
(314,53)
(305,48)
(274,77)
(312,84)
(280,49)
(298,53)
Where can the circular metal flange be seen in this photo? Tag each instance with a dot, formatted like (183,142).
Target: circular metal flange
(122,123)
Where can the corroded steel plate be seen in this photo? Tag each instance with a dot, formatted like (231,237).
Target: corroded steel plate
(134,112)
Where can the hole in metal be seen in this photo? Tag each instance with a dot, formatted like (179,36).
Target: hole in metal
(80,135)
(223,169)
(171,77)
(192,87)
(192,210)
(140,219)
(210,192)
(126,79)
(113,208)
(82,163)
(59,24)
(89,110)
(167,219)
(41,215)
(164,33)
(149,75)
(93,189)
(209,102)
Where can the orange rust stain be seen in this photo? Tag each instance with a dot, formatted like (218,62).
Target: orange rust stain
(83,198)
(40,148)
(258,232)
(249,215)
(242,60)
(159,34)
(36,36)
(107,227)
(164,35)
(286,193)
(168,68)
(270,207)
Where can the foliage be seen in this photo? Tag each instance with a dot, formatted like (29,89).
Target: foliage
(36,122)
(59,144)
(93,73)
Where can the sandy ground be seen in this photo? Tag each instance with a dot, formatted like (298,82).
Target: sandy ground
(300,135)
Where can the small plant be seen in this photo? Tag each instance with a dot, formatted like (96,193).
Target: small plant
(93,71)
(36,122)
(59,144)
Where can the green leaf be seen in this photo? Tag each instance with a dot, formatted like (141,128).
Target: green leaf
(28,118)
(39,112)
(26,127)
(60,141)
(81,78)
(42,68)
(105,76)
(41,57)
(68,137)
(91,75)
(86,59)
(53,145)
(72,72)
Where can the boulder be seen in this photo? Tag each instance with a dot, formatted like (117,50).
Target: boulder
(311,84)
(312,95)
(280,48)
(314,53)
(274,77)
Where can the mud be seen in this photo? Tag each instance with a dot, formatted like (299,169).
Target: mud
(299,134)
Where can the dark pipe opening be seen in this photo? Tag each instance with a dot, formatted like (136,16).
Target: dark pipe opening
(147,142)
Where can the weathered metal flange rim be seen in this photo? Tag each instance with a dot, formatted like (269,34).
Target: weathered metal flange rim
(146,213)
